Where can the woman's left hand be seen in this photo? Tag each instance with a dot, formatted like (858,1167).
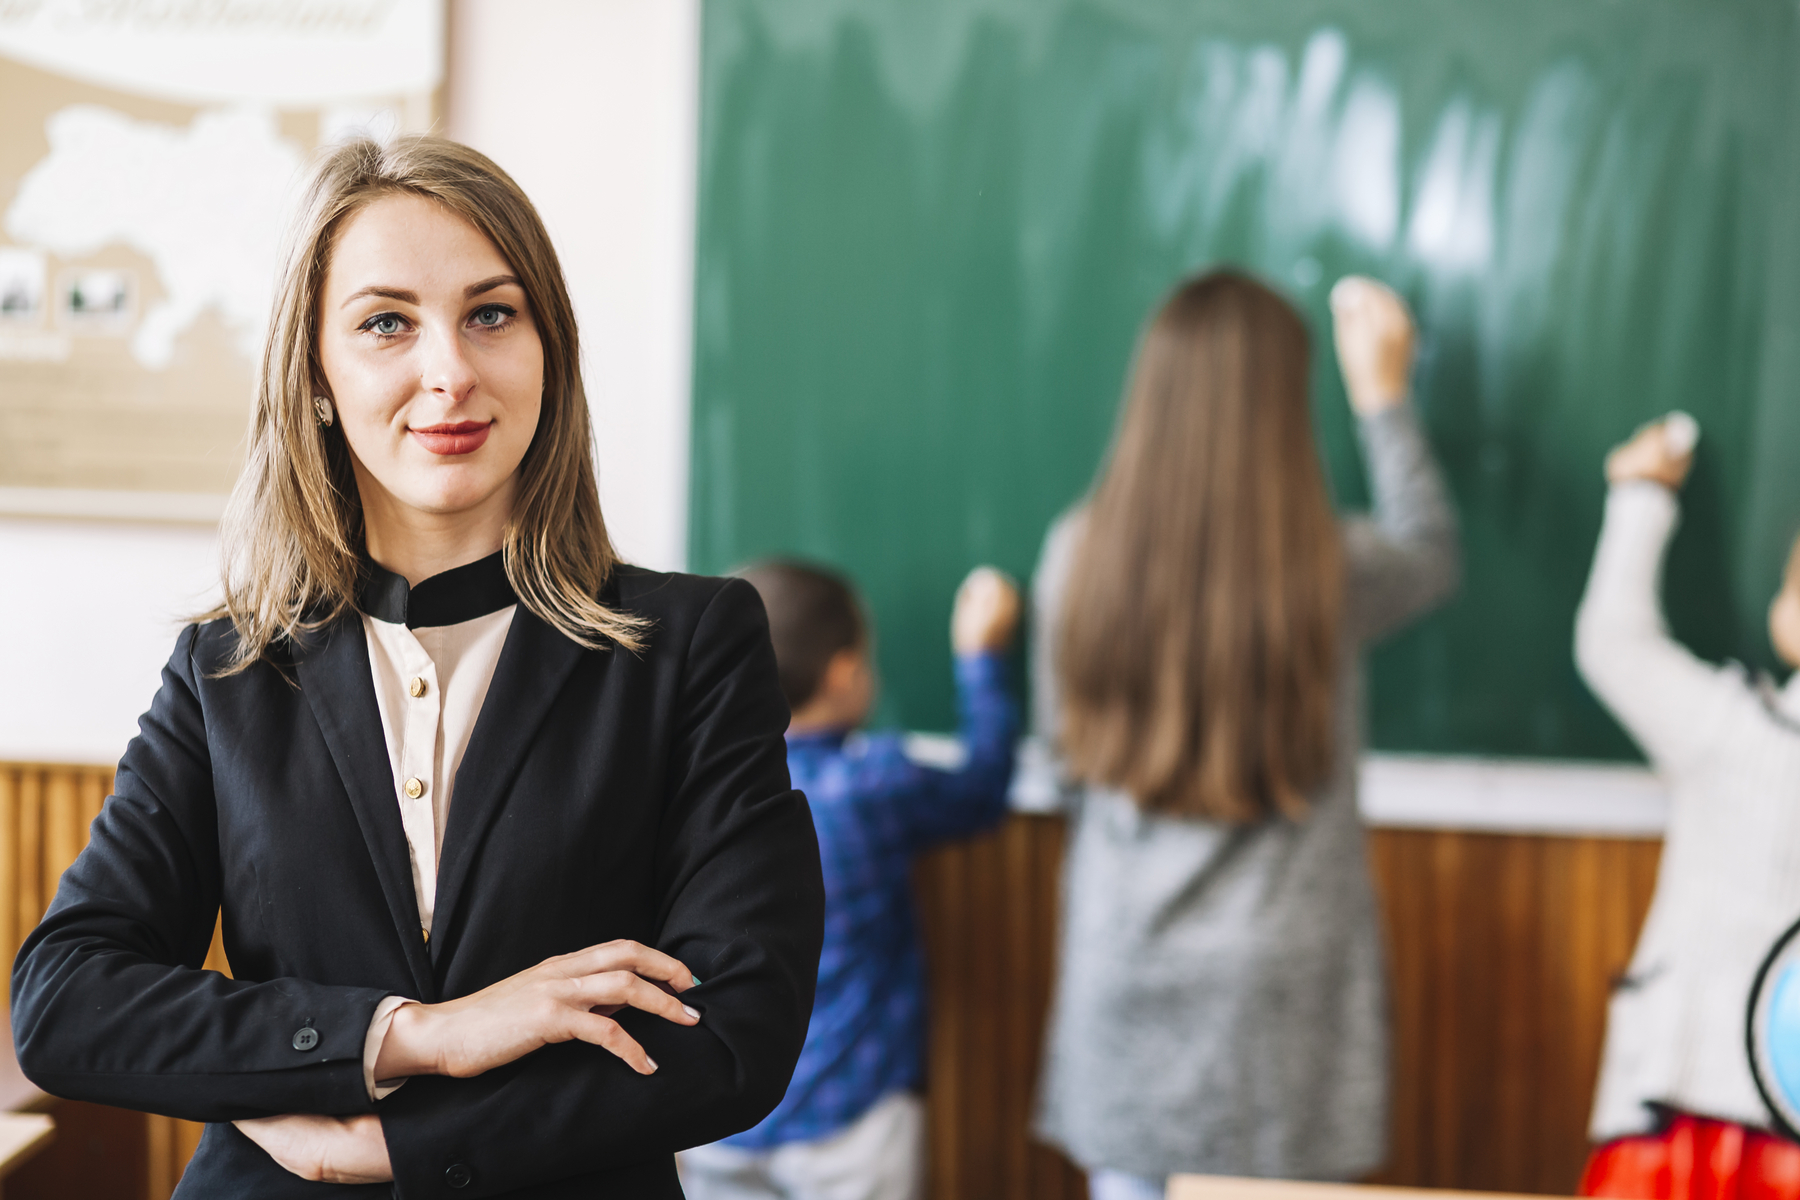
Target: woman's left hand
(324,1149)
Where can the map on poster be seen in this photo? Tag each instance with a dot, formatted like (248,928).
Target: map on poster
(149,150)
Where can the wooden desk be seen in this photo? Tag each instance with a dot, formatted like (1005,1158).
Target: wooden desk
(17,1093)
(25,1129)
(21,1136)
(1225,1187)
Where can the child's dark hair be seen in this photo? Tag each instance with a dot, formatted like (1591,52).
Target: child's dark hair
(813,614)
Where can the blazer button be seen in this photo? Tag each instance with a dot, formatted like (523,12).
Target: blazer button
(415,788)
(306,1038)
(458,1175)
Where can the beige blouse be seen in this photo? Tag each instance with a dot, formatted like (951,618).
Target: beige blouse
(430,682)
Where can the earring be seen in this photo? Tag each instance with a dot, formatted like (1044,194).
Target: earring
(323,411)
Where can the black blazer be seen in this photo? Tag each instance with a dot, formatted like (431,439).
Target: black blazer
(603,795)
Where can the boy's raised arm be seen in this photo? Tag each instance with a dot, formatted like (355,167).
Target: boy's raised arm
(944,804)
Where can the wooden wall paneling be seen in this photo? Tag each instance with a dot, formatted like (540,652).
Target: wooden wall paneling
(988,917)
(44,816)
(1018,1050)
(30,856)
(938,882)
(1404,977)
(1052,1175)
(9,872)
(990,1110)
(1502,951)
(64,834)
(1501,954)
(95,787)
(162,1166)
(1596,894)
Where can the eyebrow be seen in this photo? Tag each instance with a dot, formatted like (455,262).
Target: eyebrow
(488,285)
(406,297)
(375,289)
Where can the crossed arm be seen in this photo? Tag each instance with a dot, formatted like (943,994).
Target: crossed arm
(567,998)
(545,1075)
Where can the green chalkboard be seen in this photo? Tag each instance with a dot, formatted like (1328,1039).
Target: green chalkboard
(929,231)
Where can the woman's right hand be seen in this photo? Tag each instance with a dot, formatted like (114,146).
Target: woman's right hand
(567,998)
(1655,453)
(1374,335)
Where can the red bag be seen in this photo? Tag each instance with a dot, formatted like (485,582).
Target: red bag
(1695,1159)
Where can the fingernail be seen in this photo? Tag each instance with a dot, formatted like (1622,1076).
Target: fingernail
(690,1012)
(651,1061)
(696,980)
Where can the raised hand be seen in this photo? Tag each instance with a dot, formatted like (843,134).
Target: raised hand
(567,998)
(1661,452)
(1375,336)
(986,614)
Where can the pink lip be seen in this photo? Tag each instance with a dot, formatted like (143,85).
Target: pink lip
(463,437)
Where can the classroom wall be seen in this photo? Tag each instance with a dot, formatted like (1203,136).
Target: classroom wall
(590,105)
(592,108)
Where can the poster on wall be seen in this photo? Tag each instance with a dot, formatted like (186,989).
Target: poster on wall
(149,151)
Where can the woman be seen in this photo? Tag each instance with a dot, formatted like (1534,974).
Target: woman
(1219,1006)
(420,600)
(1676,1112)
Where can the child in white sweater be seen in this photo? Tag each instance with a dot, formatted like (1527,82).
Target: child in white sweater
(1676,1112)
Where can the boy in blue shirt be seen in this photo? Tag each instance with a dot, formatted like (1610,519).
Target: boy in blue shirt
(851,1126)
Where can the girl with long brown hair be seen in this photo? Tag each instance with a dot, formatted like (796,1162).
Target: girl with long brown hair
(513,886)
(1220,1001)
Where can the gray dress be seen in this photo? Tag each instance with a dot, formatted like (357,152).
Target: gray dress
(1220,1005)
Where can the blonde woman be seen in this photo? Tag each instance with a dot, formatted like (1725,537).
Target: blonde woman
(1220,1001)
(480,807)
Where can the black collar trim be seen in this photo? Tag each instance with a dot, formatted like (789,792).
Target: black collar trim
(449,598)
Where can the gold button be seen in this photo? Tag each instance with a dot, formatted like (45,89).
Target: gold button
(427,934)
(416,687)
(415,788)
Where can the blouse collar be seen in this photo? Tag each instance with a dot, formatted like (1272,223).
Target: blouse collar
(448,598)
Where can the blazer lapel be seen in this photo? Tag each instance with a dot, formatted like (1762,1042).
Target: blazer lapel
(341,690)
(534,665)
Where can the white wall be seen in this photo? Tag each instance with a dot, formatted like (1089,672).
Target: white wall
(90,611)
(592,105)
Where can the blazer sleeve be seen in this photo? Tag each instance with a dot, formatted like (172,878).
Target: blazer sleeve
(742,903)
(109,1001)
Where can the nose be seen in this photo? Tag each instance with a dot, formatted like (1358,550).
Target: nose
(446,370)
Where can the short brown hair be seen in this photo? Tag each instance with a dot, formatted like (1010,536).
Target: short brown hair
(293,530)
(1199,643)
(813,614)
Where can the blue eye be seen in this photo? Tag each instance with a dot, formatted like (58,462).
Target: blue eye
(385,325)
(490,316)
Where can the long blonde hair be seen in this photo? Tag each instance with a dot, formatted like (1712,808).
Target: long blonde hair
(1199,643)
(293,529)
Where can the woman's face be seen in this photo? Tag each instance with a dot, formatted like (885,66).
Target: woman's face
(432,359)
(1784,623)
